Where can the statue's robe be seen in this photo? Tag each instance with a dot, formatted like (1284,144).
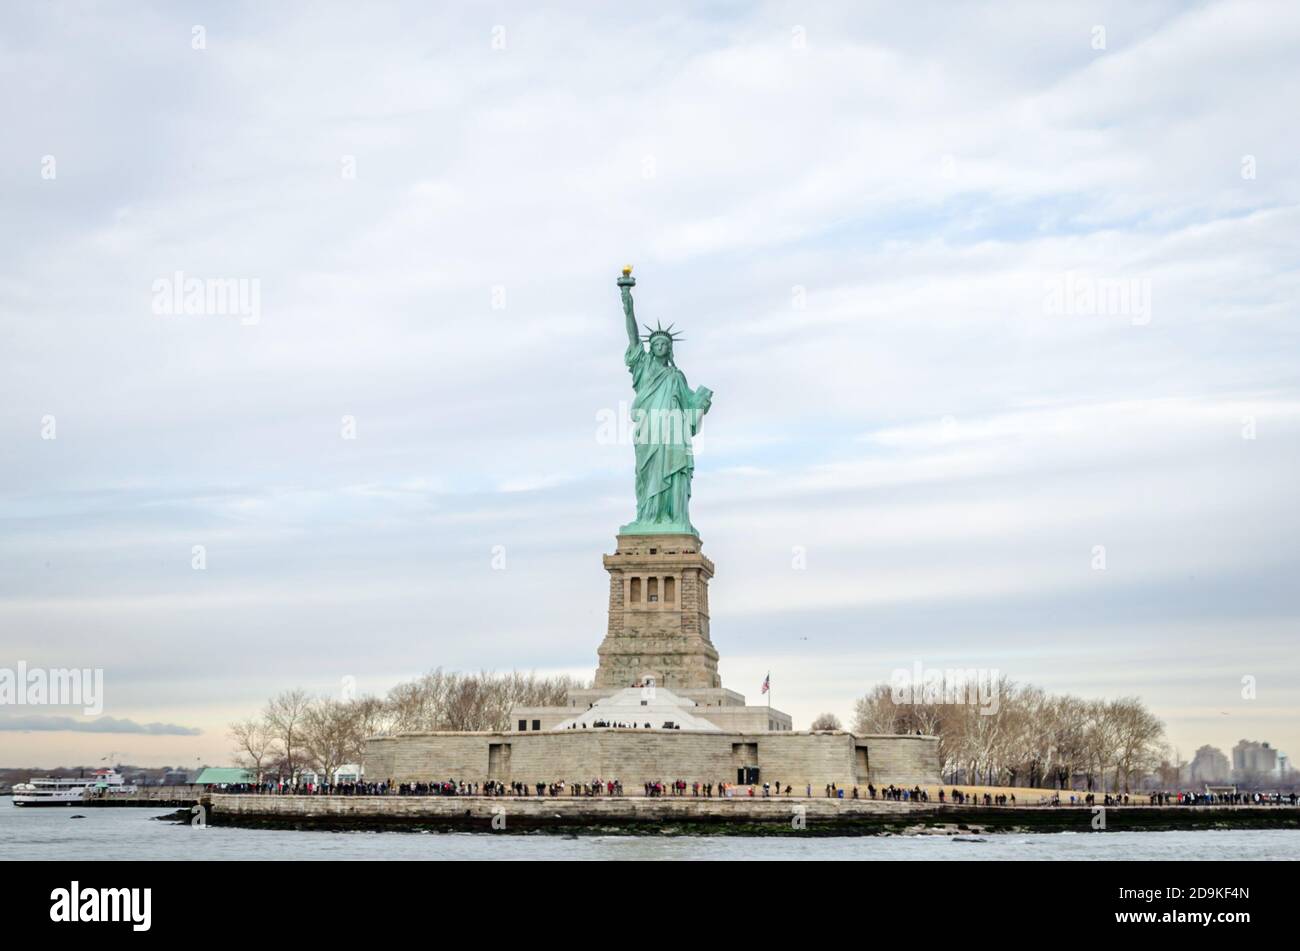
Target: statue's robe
(667,413)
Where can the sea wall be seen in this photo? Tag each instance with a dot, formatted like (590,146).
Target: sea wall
(546,813)
(742,815)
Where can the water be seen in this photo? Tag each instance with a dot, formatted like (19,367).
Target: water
(130,833)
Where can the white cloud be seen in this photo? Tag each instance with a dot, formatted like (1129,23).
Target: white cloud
(947,450)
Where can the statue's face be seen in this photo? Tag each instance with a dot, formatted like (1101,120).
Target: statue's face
(660,346)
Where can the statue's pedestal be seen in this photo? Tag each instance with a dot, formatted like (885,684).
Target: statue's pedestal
(658,615)
(658,632)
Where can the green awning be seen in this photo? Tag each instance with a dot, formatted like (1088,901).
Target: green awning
(212,775)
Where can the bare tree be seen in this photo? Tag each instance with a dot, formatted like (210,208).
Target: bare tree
(1032,734)
(1101,736)
(827,721)
(284,717)
(471,702)
(374,717)
(329,735)
(295,729)
(253,744)
(878,712)
(1068,723)
(986,730)
(1029,737)
(1138,741)
(418,704)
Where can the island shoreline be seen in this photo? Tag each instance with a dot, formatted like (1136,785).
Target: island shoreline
(688,816)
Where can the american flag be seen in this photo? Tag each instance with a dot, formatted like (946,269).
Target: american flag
(767,683)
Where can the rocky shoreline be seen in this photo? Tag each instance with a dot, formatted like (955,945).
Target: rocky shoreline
(673,816)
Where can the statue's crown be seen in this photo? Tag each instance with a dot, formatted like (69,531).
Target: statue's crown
(661,331)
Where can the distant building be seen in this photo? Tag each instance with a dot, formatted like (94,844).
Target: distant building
(347,773)
(1251,758)
(1209,765)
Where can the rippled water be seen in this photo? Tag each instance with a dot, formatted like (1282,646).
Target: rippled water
(133,833)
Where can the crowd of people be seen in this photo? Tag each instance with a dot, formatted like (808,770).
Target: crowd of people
(618,725)
(1224,799)
(720,790)
(897,794)
(959,797)
(724,790)
(1060,798)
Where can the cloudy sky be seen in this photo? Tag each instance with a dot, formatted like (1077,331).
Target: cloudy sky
(978,290)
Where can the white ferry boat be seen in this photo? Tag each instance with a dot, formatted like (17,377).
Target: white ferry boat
(70,790)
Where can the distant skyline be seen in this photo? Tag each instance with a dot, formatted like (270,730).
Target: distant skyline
(981,299)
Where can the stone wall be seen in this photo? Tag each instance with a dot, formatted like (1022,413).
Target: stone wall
(900,759)
(592,809)
(686,815)
(745,719)
(639,756)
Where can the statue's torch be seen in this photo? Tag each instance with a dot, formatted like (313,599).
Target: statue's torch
(627,280)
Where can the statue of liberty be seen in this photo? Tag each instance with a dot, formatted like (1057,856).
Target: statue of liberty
(666,414)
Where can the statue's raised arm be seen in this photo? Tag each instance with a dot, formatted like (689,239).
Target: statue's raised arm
(625,285)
